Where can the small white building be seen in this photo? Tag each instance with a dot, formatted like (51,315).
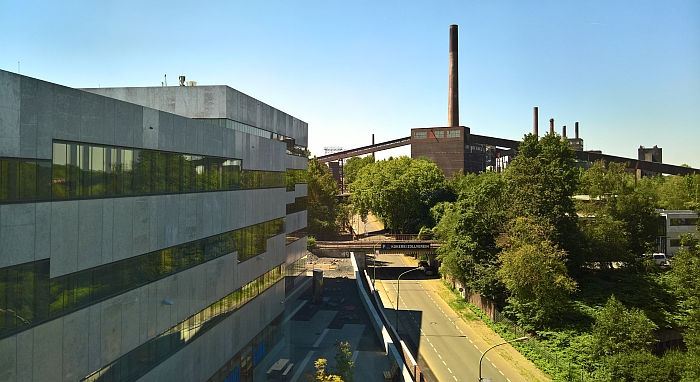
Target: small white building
(674,223)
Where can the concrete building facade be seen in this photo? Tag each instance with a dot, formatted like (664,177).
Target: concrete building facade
(145,233)
(673,224)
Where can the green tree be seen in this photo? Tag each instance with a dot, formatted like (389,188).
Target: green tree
(321,375)
(322,201)
(620,223)
(679,192)
(400,192)
(683,280)
(343,366)
(540,183)
(468,229)
(353,166)
(618,330)
(533,269)
(344,370)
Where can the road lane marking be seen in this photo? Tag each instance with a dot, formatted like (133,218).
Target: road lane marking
(450,370)
(318,342)
(302,366)
(456,378)
(439,356)
(501,373)
(354,355)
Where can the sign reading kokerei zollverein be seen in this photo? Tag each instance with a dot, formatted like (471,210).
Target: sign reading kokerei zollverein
(405,245)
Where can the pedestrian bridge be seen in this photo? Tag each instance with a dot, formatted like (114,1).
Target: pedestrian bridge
(408,247)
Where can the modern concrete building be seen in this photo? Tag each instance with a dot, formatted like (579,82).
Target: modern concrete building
(145,233)
(673,224)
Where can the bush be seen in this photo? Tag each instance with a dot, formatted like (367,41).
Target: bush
(310,243)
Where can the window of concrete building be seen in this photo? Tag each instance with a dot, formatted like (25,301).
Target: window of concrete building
(420,134)
(684,221)
(85,171)
(438,134)
(453,133)
(29,296)
(674,243)
(150,354)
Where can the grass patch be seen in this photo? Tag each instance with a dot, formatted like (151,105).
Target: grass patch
(457,303)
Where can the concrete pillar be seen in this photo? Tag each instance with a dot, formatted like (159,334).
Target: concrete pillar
(563,132)
(576,130)
(453,85)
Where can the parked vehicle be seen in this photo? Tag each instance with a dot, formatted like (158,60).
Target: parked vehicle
(660,259)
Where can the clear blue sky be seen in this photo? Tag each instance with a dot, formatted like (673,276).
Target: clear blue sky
(628,71)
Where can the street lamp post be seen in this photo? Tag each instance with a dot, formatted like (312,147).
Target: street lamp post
(398,289)
(521,339)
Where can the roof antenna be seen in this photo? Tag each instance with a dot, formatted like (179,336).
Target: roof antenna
(166,79)
(18,72)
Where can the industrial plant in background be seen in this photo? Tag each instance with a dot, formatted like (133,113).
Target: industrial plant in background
(455,149)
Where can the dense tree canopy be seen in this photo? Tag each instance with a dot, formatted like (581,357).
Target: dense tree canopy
(399,191)
(353,166)
(322,202)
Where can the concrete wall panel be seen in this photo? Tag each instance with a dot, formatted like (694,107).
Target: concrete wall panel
(8,358)
(17,233)
(91,118)
(156,233)
(179,136)
(10,101)
(166,131)
(45,119)
(141,225)
(171,226)
(48,338)
(122,233)
(75,345)
(108,127)
(25,355)
(130,321)
(143,302)
(94,337)
(29,115)
(66,111)
(208,211)
(111,328)
(42,243)
(90,219)
(150,128)
(64,238)
(107,230)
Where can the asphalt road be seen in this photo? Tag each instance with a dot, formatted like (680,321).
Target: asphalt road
(447,344)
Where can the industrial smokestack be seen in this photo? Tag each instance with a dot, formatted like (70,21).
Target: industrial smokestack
(563,131)
(453,86)
(576,130)
(551,125)
(535,122)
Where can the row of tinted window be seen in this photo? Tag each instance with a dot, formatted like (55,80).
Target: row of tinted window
(28,296)
(292,177)
(150,354)
(436,134)
(292,147)
(300,204)
(84,171)
(683,221)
